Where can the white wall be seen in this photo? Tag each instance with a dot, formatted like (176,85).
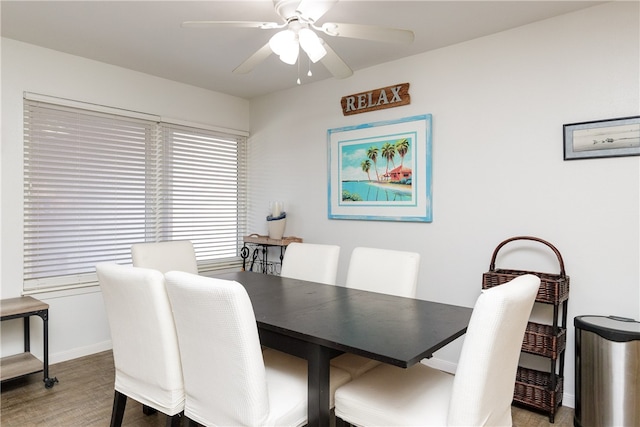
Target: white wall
(77,324)
(498,106)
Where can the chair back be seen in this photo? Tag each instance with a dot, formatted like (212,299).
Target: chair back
(224,373)
(485,377)
(177,255)
(143,335)
(383,270)
(312,262)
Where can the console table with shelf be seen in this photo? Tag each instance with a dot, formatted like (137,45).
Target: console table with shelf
(25,363)
(260,254)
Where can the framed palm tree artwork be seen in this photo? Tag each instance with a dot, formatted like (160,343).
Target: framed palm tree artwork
(381,171)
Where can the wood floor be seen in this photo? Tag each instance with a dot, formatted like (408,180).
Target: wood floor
(84,396)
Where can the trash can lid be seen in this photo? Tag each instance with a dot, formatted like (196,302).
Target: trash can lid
(613,328)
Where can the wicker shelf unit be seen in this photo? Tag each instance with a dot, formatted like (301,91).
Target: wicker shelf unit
(540,390)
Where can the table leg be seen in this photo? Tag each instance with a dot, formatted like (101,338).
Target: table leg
(318,367)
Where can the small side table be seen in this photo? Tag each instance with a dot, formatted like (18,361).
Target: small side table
(262,243)
(26,363)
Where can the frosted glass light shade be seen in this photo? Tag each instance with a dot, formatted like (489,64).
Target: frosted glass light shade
(311,44)
(285,45)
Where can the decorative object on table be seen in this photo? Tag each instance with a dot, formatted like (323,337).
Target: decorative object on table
(381,171)
(276,220)
(533,388)
(602,138)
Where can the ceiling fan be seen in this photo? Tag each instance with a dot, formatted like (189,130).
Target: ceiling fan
(300,30)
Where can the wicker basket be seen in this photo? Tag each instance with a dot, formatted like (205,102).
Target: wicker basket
(534,388)
(554,288)
(542,340)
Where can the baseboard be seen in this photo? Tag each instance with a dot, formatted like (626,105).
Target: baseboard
(79,352)
(568,400)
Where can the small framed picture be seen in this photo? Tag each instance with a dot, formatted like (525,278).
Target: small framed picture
(602,138)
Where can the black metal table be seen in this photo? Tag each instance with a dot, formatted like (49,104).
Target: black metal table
(318,322)
(261,251)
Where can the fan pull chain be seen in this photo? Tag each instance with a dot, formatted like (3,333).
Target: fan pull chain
(298,81)
(309,72)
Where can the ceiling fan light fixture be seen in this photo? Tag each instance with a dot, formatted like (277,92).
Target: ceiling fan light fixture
(298,30)
(285,45)
(290,56)
(282,41)
(311,44)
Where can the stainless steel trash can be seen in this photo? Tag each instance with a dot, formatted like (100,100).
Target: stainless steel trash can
(607,371)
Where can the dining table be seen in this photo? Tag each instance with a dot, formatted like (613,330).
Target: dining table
(318,322)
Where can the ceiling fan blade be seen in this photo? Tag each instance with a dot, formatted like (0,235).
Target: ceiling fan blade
(314,9)
(236,24)
(335,64)
(255,59)
(368,32)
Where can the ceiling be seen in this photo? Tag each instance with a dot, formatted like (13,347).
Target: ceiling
(146,36)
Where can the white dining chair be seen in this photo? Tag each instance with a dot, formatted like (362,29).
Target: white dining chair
(480,393)
(144,340)
(228,379)
(378,270)
(177,255)
(311,261)
(383,270)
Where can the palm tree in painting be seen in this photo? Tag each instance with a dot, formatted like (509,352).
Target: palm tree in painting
(366,165)
(402,147)
(388,152)
(372,153)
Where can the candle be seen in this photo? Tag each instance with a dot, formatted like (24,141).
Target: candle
(276,209)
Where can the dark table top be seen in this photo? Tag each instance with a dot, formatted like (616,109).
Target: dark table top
(395,330)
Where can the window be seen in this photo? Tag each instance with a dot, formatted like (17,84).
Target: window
(95,182)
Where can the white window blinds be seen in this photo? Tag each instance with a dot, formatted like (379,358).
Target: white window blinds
(95,183)
(205,199)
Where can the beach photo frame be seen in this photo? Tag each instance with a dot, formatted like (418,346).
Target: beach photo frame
(602,138)
(381,171)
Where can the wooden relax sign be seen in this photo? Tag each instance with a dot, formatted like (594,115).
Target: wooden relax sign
(377,99)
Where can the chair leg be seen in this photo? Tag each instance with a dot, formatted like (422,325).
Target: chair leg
(148,410)
(117,413)
(174,420)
